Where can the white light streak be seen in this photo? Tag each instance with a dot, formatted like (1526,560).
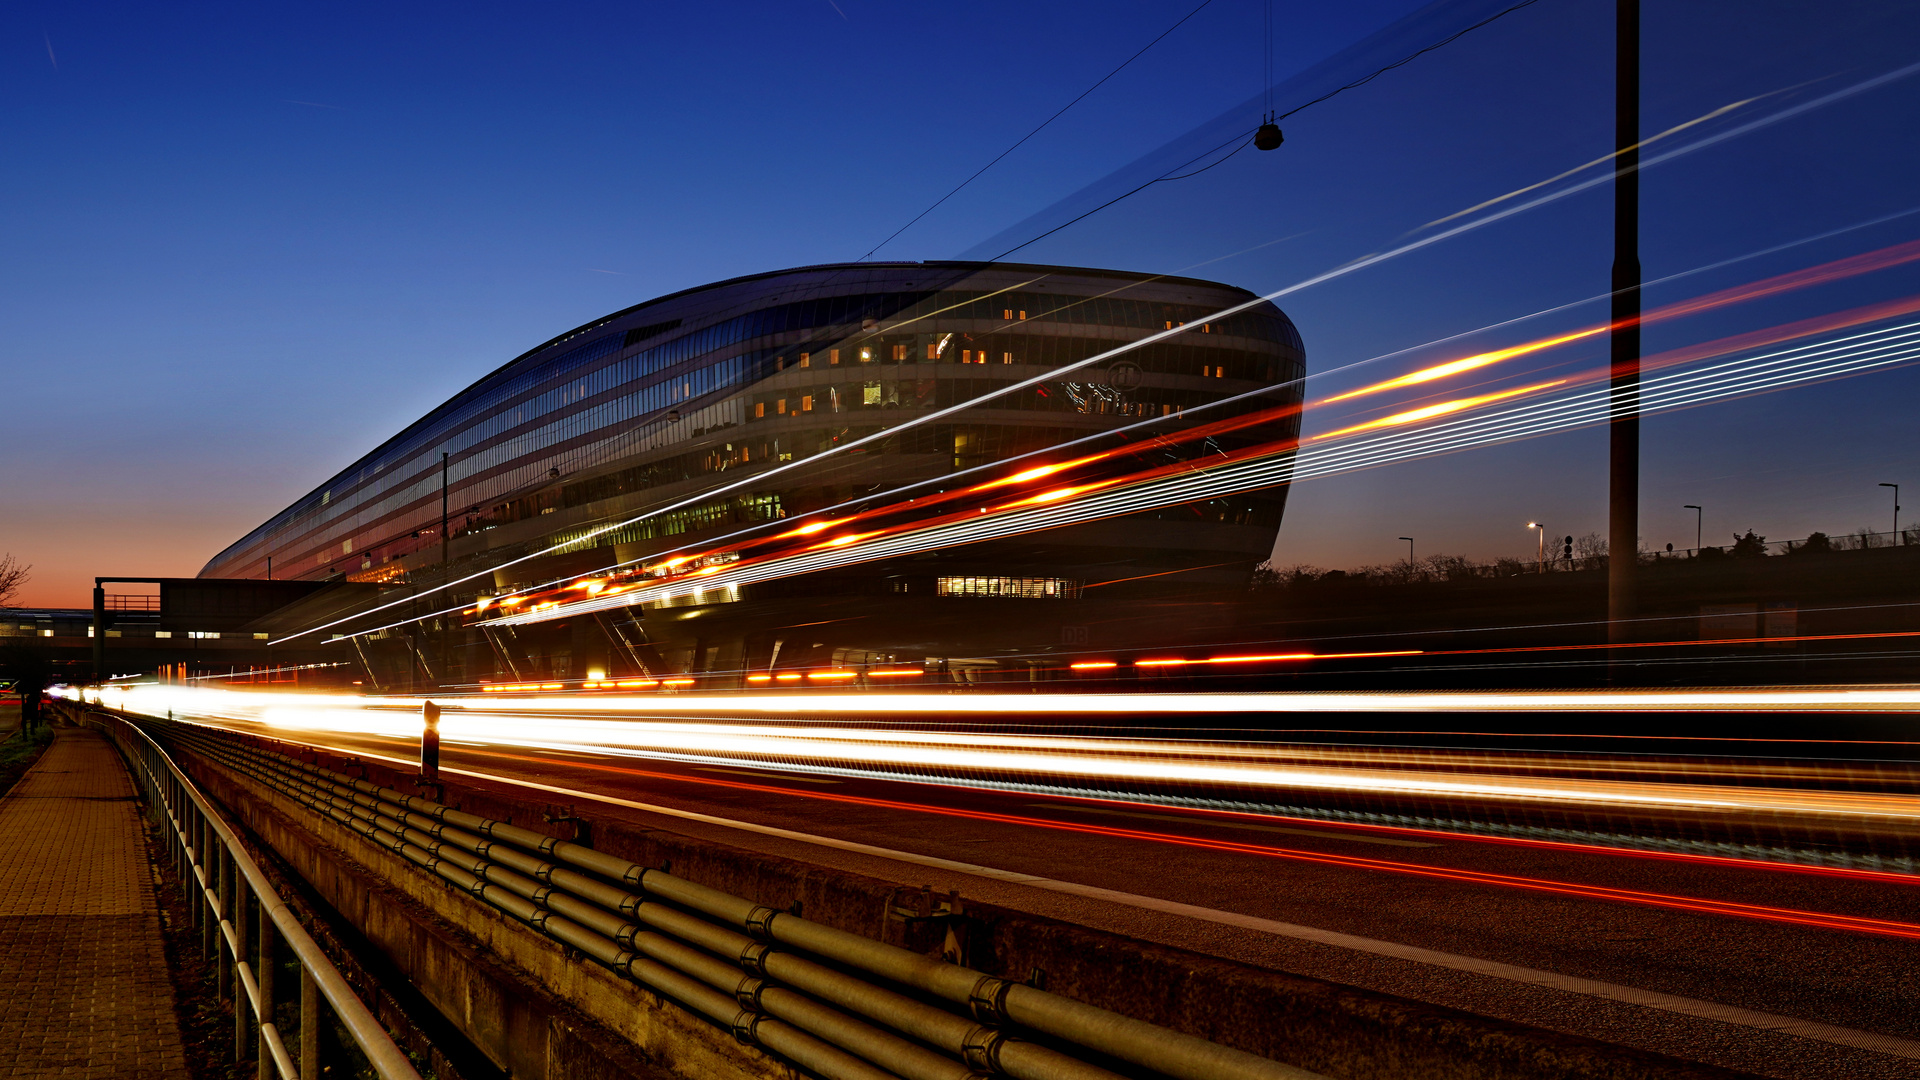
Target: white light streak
(1833,358)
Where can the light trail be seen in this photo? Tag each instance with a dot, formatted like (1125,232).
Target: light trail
(1645,898)
(1640,897)
(605,725)
(742,535)
(1825,273)
(1345,269)
(1273,464)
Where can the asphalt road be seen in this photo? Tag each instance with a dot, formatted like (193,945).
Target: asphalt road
(1433,916)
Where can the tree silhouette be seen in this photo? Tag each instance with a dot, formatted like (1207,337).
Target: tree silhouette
(13,574)
(1815,544)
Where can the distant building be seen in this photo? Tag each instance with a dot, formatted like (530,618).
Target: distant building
(655,404)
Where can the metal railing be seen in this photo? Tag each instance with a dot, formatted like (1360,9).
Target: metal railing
(243,923)
(796,988)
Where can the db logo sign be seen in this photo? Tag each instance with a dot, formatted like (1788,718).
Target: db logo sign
(1124,375)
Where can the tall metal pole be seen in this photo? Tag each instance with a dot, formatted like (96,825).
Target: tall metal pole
(99,635)
(1623,497)
(445,573)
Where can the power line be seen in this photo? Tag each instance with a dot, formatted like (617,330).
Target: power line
(1272,118)
(1035,131)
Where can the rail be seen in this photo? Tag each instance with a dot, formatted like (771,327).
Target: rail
(777,981)
(231,888)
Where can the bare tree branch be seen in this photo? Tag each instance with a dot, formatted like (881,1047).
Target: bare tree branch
(13,574)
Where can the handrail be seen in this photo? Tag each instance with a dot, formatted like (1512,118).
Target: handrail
(739,963)
(206,850)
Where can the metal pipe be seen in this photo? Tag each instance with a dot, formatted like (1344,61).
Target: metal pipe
(242,976)
(221,899)
(309,1025)
(382,1055)
(990,1000)
(263,1051)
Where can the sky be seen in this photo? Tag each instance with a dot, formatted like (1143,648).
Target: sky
(246,244)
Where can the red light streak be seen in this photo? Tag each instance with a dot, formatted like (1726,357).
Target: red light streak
(1644,898)
(1773,286)
(1270,658)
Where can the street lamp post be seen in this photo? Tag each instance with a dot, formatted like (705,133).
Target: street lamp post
(1699,517)
(1541,556)
(1896,511)
(1409,541)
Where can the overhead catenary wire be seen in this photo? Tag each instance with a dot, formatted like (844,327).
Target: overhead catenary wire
(1271,117)
(1343,270)
(1126,430)
(1817,361)
(1043,125)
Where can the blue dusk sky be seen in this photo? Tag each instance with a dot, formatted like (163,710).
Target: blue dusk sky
(244,243)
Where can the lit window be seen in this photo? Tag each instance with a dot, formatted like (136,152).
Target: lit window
(899,352)
(806,359)
(1008,314)
(966,356)
(346,547)
(933,351)
(780,406)
(259,637)
(870,394)
(1023,314)
(1024,588)
(866,354)
(806,402)
(833,356)
(1005,358)
(169,633)
(1205,370)
(760,411)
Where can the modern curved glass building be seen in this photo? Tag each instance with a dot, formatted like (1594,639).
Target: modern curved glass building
(654,405)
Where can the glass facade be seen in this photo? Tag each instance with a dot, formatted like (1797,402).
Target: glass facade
(651,406)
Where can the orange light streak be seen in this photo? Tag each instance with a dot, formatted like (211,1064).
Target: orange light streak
(1480,360)
(1444,408)
(1093,665)
(1757,290)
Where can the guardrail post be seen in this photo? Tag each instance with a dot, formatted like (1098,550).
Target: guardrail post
(198,878)
(263,1057)
(241,1006)
(222,903)
(309,1025)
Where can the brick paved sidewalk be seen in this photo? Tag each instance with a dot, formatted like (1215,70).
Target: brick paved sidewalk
(84,992)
